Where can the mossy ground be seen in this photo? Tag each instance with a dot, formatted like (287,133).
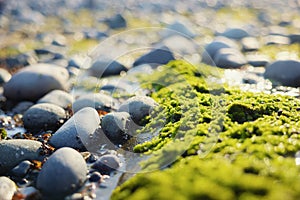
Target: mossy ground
(225,144)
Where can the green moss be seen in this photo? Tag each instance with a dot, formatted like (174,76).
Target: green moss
(3,133)
(273,50)
(214,142)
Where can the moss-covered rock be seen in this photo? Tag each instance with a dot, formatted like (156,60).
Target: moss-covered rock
(214,142)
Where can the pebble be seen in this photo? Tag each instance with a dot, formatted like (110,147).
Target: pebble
(98,101)
(42,77)
(57,97)
(104,67)
(284,72)
(180,29)
(107,164)
(138,107)
(294,38)
(4,76)
(95,177)
(276,40)
(43,116)
(7,188)
(180,45)
(250,44)
(115,126)
(116,22)
(62,174)
(235,33)
(155,57)
(257,60)
(21,169)
(22,107)
(14,151)
(77,131)
(229,58)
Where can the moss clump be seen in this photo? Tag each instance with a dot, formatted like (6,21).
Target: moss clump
(215,142)
(3,133)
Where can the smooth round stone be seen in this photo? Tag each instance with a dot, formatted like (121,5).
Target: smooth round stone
(22,107)
(4,76)
(257,60)
(44,116)
(155,57)
(77,131)
(229,58)
(62,174)
(33,82)
(138,107)
(98,101)
(284,72)
(180,45)
(7,188)
(58,97)
(235,33)
(116,22)
(21,169)
(178,28)
(250,44)
(115,126)
(276,40)
(104,67)
(107,164)
(14,151)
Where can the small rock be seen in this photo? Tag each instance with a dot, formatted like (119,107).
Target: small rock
(21,169)
(138,107)
(62,174)
(57,97)
(116,126)
(12,152)
(277,40)
(7,188)
(106,67)
(107,164)
(77,131)
(180,45)
(250,44)
(33,82)
(21,107)
(178,28)
(116,22)
(257,60)
(294,38)
(229,58)
(98,101)
(235,33)
(4,76)
(95,177)
(44,116)
(94,34)
(284,72)
(155,57)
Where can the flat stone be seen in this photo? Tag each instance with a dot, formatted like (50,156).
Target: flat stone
(284,72)
(155,57)
(229,58)
(44,116)
(62,174)
(58,97)
(104,67)
(235,33)
(77,131)
(33,82)
(276,40)
(250,44)
(7,188)
(257,60)
(98,101)
(138,107)
(14,151)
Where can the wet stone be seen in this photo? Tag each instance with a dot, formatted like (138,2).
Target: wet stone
(62,174)
(107,164)
(43,116)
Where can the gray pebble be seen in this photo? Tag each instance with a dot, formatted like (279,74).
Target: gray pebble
(7,188)
(250,44)
(107,164)
(155,57)
(21,169)
(179,44)
(12,152)
(21,107)
(138,107)
(77,131)
(235,33)
(257,60)
(4,76)
(44,116)
(229,58)
(57,97)
(62,174)
(98,101)
(33,82)
(116,22)
(284,72)
(115,126)
(276,40)
(104,67)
